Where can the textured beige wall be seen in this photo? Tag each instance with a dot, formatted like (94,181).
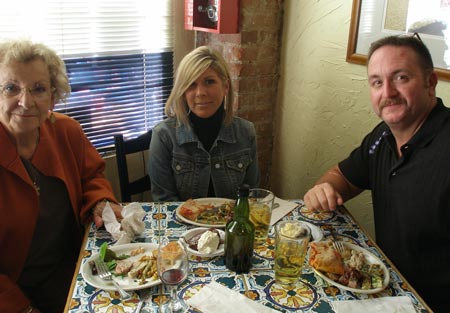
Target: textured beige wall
(323,107)
(184,40)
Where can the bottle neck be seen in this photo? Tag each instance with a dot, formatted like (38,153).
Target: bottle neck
(241,209)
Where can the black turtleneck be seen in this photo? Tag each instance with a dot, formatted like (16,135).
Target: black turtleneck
(207,129)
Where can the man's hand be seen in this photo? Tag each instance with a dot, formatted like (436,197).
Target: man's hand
(323,197)
(98,210)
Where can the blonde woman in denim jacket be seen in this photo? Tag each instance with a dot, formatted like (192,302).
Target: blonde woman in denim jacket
(201,149)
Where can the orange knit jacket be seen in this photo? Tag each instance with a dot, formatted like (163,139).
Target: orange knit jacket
(64,152)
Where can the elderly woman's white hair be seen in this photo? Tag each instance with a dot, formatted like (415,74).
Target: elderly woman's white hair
(24,50)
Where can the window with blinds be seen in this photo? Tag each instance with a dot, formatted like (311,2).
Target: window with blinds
(118,53)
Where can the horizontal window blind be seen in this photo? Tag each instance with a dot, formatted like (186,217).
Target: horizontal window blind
(118,55)
(91,27)
(119,94)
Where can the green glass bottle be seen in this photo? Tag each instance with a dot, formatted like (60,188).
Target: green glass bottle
(239,235)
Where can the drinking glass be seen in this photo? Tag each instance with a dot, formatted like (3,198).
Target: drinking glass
(261,204)
(173,268)
(291,244)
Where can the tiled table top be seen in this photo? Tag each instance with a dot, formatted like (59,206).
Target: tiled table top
(314,295)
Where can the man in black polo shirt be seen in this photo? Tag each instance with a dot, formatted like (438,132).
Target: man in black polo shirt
(405,162)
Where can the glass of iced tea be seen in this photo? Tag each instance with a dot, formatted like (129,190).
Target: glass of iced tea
(291,244)
(261,204)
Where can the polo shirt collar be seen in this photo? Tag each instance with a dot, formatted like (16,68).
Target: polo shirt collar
(427,131)
(431,126)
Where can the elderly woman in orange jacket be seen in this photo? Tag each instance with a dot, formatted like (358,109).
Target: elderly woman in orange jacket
(51,178)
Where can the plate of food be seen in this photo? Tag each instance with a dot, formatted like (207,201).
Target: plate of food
(133,267)
(356,269)
(204,242)
(206,212)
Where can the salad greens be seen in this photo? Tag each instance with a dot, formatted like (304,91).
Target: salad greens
(109,257)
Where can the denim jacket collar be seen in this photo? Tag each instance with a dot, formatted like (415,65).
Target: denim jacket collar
(186,134)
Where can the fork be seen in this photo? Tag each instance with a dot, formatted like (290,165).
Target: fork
(337,244)
(143,296)
(105,274)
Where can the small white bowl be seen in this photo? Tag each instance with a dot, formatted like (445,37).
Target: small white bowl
(192,232)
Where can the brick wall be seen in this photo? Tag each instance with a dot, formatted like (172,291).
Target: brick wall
(253,58)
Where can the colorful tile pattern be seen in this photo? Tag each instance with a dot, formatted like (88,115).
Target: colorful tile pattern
(313,295)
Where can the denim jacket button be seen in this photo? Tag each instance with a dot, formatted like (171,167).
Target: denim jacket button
(178,167)
(217,165)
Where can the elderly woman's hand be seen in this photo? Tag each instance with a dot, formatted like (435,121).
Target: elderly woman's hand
(98,210)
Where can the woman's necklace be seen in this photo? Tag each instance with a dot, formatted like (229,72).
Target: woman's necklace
(33,173)
(36,186)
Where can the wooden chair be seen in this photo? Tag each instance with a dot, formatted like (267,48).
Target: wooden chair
(139,144)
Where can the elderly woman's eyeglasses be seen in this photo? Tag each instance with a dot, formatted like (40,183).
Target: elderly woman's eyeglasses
(40,92)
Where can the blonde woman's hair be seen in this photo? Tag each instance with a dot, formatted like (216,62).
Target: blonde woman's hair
(24,50)
(191,67)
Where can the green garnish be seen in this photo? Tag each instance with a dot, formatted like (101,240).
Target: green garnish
(109,257)
(102,252)
(112,265)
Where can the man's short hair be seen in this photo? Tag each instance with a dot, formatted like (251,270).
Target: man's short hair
(412,41)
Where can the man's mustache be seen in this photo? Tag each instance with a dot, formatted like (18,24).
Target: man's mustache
(391,101)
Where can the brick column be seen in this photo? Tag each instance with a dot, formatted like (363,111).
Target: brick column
(253,57)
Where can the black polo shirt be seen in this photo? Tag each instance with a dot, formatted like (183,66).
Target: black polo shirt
(411,200)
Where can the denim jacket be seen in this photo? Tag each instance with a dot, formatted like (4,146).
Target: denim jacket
(180,168)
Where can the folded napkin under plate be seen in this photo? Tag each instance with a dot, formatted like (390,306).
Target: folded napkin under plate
(401,304)
(215,298)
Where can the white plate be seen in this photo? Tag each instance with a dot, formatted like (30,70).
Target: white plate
(370,259)
(191,233)
(212,201)
(125,282)
(316,232)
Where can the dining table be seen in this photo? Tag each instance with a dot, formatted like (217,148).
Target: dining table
(314,294)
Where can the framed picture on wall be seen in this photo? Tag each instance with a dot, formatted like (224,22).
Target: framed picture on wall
(374,19)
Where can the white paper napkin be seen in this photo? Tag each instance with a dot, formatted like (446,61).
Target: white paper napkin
(401,304)
(281,208)
(215,298)
(130,226)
